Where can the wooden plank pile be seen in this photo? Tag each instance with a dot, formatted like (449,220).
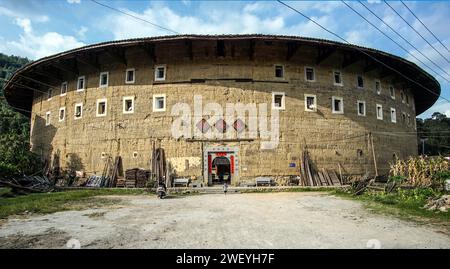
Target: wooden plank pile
(28,184)
(136,177)
(310,176)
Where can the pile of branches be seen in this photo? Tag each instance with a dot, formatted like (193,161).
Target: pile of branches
(441,204)
(28,184)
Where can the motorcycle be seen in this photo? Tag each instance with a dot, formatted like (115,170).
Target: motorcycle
(161,191)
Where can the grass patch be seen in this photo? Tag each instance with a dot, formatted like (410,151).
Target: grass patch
(406,204)
(59,201)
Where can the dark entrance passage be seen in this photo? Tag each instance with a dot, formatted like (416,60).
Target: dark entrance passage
(221,170)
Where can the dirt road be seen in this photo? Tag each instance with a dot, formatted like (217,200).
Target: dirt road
(269,220)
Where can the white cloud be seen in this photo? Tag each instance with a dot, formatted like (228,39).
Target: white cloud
(82,32)
(35,46)
(441,106)
(73,1)
(16,14)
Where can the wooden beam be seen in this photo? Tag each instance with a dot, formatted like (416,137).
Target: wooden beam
(292,48)
(350,59)
(66,67)
(149,49)
(90,61)
(190,53)
(251,50)
(324,53)
(117,54)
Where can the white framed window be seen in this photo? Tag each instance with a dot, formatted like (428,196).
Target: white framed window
(403,117)
(392,91)
(310,103)
(49,94)
(407,99)
(78,111)
(361,107)
(409,119)
(135,154)
(47,118)
(62,114)
(64,87)
(402,96)
(130,76)
(379,112)
(159,102)
(279,71)
(81,83)
(360,81)
(393,115)
(160,72)
(104,79)
(128,104)
(310,74)
(278,100)
(378,86)
(337,78)
(337,105)
(101,107)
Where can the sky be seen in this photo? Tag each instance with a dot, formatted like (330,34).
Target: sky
(39,28)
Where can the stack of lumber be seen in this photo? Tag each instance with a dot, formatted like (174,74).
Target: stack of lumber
(136,177)
(120,183)
(310,176)
(28,184)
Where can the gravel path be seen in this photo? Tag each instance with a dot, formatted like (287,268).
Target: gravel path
(264,220)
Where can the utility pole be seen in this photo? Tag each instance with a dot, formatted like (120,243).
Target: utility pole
(423,145)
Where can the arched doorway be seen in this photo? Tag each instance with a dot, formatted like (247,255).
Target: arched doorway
(221,170)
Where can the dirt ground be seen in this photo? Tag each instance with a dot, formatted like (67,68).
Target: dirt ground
(259,220)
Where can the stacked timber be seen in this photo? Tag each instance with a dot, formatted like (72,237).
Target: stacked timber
(136,177)
(310,176)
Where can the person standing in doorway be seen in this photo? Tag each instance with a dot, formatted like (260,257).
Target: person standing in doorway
(225,188)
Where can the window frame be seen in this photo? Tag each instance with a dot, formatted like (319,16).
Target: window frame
(62,86)
(101,100)
(59,114)
(392,93)
(47,118)
(378,91)
(100,85)
(282,71)
(357,81)
(283,100)
(49,94)
(313,72)
(126,98)
(81,111)
(306,103)
(357,108)
(393,120)
(126,76)
(341,84)
(379,117)
(156,72)
(155,96)
(333,99)
(78,83)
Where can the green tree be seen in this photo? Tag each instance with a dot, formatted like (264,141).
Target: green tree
(436,132)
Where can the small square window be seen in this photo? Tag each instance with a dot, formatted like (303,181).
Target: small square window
(63,88)
(379,112)
(62,114)
(402,96)
(360,81)
(310,103)
(337,78)
(337,104)
(159,103)
(129,76)
(160,73)
(309,74)
(361,106)
(104,77)
(393,115)
(101,107)
(279,71)
(81,83)
(278,101)
(78,111)
(378,87)
(128,104)
(47,118)
(392,92)
(49,94)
